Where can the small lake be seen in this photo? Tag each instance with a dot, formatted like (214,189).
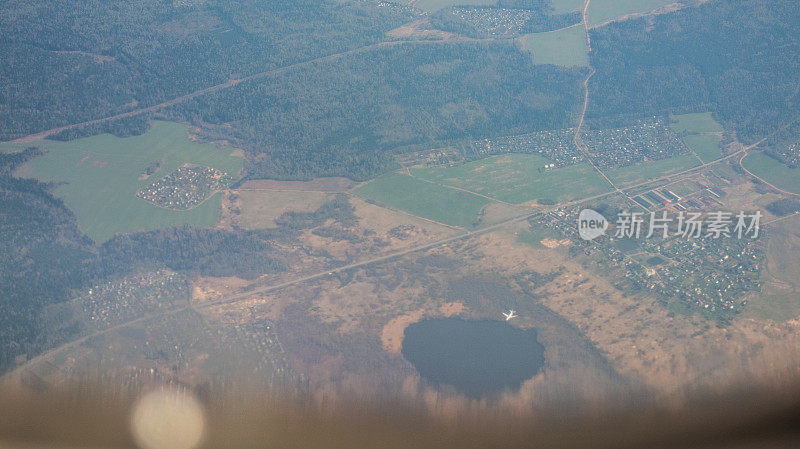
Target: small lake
(477,358)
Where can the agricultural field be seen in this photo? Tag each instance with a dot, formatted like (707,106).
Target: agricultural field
(425,199)
(566,47)
(635,174)
(98,177)
(260,208)
(534,235)
(700,122)
(780,296)
(685,188)
(705,145)
(601,11)
(774,172)
(329,185)
(519,178)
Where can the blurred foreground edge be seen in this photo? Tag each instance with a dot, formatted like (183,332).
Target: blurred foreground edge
(92,419)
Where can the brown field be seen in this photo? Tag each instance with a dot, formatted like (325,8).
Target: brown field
(393,331)
(343,332)
(780,296)
(670,354)
(396,228)
(346,331)
(206,288)
(419,29)
(258,209)
(378,231)
(330,185)
(742,196)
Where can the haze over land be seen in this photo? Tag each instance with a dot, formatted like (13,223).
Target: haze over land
(217,194)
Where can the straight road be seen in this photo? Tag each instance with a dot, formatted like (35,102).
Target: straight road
(235,82)
(321,275)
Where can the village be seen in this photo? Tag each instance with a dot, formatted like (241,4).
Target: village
(710,274)
(556,145)
(642,141)
(496,22)
(130,297)
(185,188)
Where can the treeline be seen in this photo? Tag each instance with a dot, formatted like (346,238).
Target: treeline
(347,117)
(45,259)
(546,22)
(43,256)
(70,61)
(338,209)
(124,127)
(196,251)
(783,207)
(784,144)
(738,58)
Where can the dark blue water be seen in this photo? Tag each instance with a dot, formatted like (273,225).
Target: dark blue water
(477,358)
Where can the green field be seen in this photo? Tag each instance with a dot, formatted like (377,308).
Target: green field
(700,122)
(601,11)
(565,47)
(99,177)
(436,5)
(780,295)
(515,178)
(424,199)
(705,145)
(635,174)
(534,235)
(774,172)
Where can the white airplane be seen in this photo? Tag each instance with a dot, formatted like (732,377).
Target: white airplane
(510,314)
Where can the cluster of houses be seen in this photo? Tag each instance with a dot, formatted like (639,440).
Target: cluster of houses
(133,296)
(185,188)
(496,22)
(712,274)
(642,141)
(556,145)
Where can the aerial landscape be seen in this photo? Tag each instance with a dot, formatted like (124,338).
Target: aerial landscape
(362,200)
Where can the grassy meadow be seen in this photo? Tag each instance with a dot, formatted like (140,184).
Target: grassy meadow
(774,172)
(635,174)
(567,47)
(98,176)
(516,179)
(699,122)
(534,235)
(779,299)
(424,199)
(705,145)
